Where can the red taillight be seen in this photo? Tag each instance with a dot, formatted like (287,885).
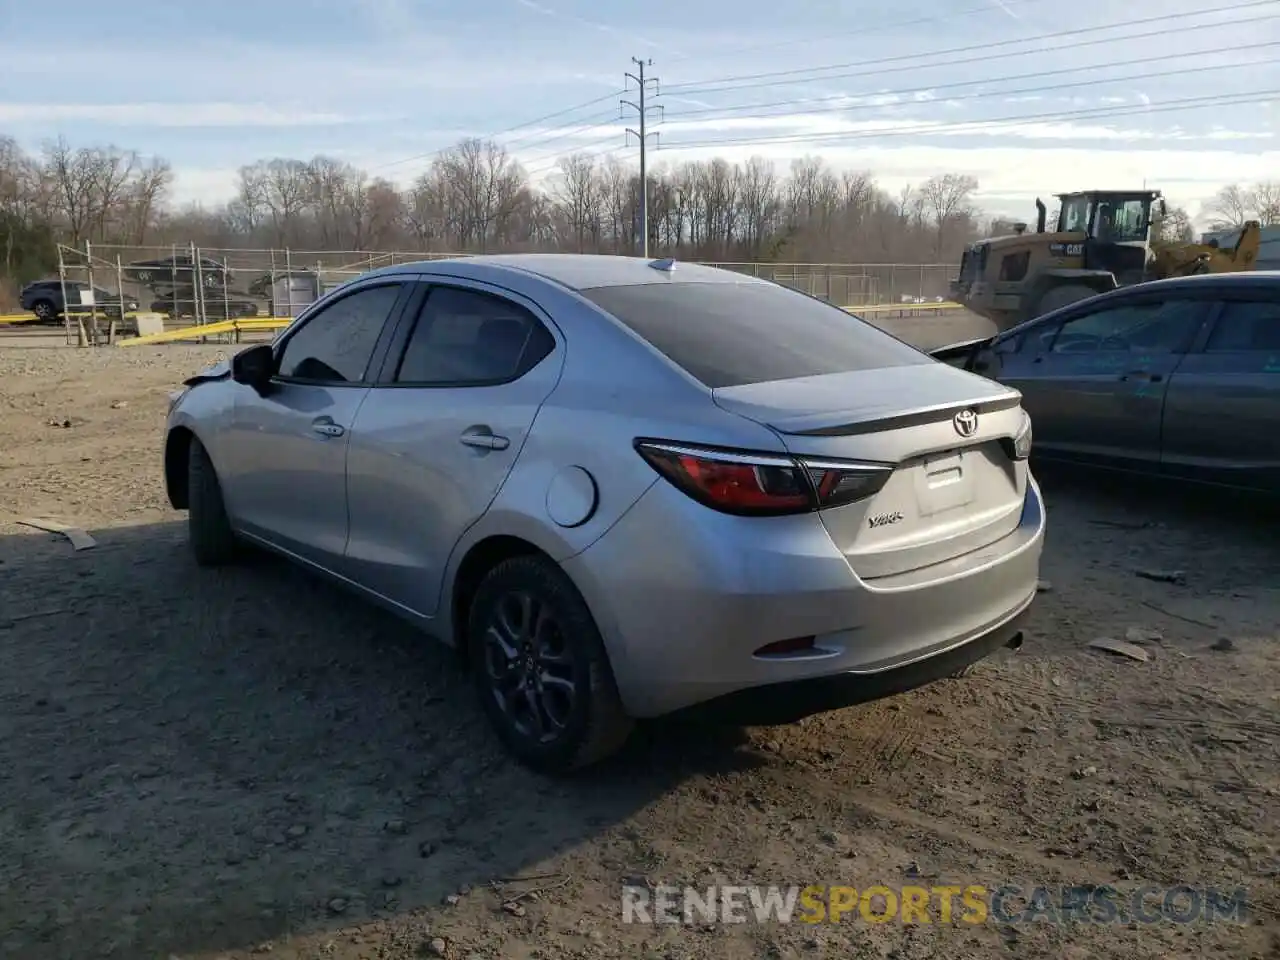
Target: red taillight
(761,484)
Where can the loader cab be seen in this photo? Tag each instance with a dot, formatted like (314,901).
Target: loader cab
(1116,227)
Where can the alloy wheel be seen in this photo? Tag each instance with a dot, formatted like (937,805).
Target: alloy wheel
(531,670)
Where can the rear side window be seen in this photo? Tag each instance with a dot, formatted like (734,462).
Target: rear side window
(1246,325)
(730,334)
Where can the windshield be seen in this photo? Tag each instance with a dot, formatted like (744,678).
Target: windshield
(1120,221)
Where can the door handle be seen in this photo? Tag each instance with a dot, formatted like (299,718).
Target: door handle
(1143,375)
(484,441)
(327,428)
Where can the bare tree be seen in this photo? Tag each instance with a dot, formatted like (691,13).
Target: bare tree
(577,193)
(948,198)
(1230,207)
(1265,199)
(474,197)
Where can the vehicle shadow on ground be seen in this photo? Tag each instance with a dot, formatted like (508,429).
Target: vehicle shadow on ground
(1201,557)
(1217,513)
(201,760)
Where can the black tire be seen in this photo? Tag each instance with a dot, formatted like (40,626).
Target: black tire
(212,540)
(43,309)
(588,727)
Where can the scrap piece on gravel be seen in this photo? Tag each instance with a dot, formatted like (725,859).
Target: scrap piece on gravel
(1162,576)
(1120,647)
(1141,635)
(79,539)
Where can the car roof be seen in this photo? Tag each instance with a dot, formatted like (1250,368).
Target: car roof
(1205,283)
(1201,281)
(573,270)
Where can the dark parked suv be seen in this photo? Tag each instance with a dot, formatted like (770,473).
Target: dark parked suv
(44,299)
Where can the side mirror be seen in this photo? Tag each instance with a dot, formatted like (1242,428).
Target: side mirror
(254,367)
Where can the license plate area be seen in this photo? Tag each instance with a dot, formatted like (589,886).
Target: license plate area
(944,481)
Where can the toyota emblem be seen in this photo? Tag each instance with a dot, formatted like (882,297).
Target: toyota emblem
(966,423)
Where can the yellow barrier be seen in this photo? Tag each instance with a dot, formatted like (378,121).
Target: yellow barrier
(208,330)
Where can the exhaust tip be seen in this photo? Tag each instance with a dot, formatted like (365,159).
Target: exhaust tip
(1015,642)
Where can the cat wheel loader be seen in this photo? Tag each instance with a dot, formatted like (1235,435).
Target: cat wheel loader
(1102,240)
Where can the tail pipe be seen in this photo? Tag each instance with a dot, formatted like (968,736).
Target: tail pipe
(1041,214)
(1014,642)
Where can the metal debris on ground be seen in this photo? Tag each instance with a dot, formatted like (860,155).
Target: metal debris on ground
(79,539)
(1121,648)
(1162,576)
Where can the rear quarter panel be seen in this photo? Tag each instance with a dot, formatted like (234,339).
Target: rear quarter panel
(613,388)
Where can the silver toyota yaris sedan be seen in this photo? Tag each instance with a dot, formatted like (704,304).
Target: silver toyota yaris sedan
(624,488)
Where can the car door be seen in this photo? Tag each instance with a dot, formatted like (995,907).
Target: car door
(287,479)
(1222,413)
(1095,386)
(438,434)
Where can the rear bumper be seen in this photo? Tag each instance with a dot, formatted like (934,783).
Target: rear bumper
(787,702)
(685,598)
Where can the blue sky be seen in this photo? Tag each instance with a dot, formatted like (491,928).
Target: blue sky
(383,83)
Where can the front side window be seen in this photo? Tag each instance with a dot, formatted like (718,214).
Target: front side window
(1150,327)
(1074,217)
(470,337)
(336,344)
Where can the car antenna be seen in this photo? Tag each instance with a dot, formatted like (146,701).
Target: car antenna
(666,266)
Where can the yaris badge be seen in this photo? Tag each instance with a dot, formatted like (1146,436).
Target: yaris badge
(966,423)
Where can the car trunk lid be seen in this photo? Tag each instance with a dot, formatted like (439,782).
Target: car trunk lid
(953,490)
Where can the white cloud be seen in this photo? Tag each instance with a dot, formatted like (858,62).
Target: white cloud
(208,188)
(176,115)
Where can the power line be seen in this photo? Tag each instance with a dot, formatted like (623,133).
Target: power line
(978,126)
(540,165)
(1163,106)
(1017,91)
(569,133)
(862,31)
(920,60)
(543,168)
(519,126)
(931,88)
(984,58)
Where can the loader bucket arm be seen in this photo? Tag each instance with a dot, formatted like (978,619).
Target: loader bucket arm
(1248,245)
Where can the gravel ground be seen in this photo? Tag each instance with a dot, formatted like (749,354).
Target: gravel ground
(217,764)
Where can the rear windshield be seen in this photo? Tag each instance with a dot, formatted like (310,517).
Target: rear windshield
(730,334)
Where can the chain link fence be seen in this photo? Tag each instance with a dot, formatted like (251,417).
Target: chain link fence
(102,291)
(858,284)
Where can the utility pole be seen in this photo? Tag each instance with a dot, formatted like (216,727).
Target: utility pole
(642,111)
